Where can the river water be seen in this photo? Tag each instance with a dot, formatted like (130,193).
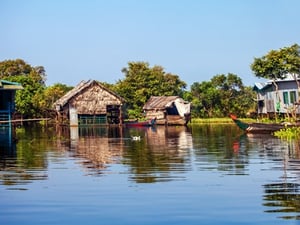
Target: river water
(204,174)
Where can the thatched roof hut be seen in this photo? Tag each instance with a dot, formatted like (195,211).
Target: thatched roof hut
(168,110)
(90,103)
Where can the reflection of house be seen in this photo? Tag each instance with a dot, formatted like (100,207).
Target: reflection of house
(271,101)
(168,110)
(89,103)
(7,99)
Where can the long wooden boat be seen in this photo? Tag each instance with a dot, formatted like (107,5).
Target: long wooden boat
(147,123)
(259,127)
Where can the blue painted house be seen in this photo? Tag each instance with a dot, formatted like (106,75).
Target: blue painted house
(7,100)
(270,101)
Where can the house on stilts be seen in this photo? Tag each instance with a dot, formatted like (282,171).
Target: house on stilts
(89,103)
(7,101)
(168,110)
(277,97)
(7,109)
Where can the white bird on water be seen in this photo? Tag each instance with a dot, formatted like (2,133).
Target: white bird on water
(136,138)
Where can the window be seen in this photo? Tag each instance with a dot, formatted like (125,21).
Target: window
(85,119)
(293,97)
(285,97)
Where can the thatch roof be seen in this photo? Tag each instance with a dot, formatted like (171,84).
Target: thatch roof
(78,89)
(159,102)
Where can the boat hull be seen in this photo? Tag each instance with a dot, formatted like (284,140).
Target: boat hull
(259,128)
(148,123)
(264,128)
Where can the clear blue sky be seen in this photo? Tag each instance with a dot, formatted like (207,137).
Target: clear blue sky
(195,39)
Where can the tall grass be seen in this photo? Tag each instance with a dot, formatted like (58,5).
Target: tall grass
(216,120)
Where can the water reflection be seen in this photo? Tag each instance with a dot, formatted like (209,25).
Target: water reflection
(7,140)
(283,198)
(21,159)
(217,147)
(161,154)
(283,194)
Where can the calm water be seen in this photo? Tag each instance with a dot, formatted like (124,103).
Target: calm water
(208,174)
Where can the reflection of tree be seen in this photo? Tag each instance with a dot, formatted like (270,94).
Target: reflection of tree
(216,146)
(283,197)
(25,160)
(160,156)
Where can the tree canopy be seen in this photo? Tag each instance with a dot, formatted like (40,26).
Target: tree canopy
(215,98)
(31,78)
(35,99)
(141,82)
(277,64)
(222,95)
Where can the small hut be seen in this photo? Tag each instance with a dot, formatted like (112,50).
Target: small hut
(7,100)
(89,103)
(168,110)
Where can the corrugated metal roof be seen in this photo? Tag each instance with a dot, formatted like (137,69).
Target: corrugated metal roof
(260,86)
(159,102)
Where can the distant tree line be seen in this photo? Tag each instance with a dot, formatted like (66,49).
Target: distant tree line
(223,94)
(35,100)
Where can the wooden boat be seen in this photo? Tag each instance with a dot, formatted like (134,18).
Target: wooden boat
(147,123)
(259,127)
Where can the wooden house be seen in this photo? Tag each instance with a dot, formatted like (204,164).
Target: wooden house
(7,100)
(282,101)
(89,103)
(168,110)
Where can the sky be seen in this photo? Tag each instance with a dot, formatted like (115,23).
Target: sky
(194,39)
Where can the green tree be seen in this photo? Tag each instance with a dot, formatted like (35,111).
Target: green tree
(220,96)
(291,57)
(9,68)
(141,82)
(25,99)
(206,99)
(31,78)
(277,64)
(44,99)
(230,88)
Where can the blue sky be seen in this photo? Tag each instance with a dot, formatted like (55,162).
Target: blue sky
(195,39)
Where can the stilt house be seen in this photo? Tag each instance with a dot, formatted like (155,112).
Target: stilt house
(89,103)
(168,110)
(7,100)
(283,100)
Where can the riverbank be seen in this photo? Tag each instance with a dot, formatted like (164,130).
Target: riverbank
(218,120)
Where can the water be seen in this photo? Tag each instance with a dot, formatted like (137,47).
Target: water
(208,174)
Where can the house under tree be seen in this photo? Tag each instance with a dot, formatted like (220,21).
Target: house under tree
(284,100)
(7,100)
(168,110)
(89,103)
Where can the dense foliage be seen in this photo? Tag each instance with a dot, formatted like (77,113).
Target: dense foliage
(276,65)
(288,133)
(217,97)
(35,100)
(221,96)
(141,82)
